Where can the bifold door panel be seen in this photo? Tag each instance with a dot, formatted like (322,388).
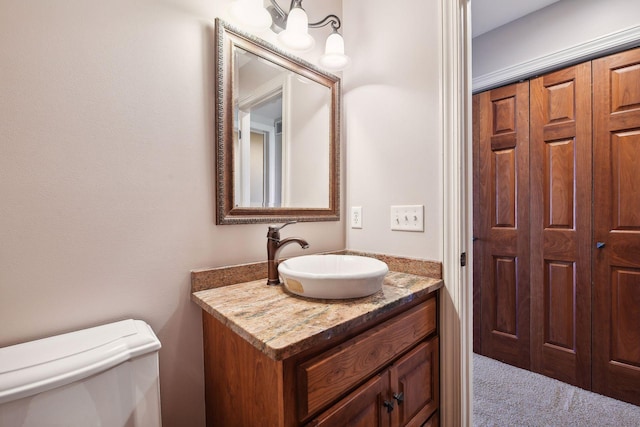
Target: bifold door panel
(560,209)
(616,314)
(502,228)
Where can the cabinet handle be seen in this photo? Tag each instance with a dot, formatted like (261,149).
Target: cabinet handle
(399,397)
(600,245)
(388,405)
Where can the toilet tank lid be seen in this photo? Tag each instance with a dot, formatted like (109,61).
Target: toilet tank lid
(37,366)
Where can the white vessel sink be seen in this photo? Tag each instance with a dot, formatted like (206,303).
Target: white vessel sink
(332,276)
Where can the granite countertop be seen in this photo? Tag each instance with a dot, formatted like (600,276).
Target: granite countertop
(282,325)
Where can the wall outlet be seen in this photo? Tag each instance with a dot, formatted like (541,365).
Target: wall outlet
(356,217)
(407,218)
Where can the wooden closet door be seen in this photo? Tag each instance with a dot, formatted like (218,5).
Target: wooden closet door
(616,302)
(560,177)
(501,211)
(477,229)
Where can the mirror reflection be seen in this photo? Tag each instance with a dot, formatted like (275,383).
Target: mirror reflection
(277,134)
(281,136)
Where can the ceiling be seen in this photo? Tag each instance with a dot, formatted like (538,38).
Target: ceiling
(489,14)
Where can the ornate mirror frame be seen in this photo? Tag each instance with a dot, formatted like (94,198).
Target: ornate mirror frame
(226,213)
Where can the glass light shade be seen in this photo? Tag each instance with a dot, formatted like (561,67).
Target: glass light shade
(334,57)
(250,14)
(296,35)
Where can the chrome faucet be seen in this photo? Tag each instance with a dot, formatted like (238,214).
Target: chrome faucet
(274,244)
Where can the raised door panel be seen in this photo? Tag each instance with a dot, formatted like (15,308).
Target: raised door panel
(625,152)
(625,316)
(616,331)
(560,176)
(501,225)
(362,408)
(415,385)
(434,421)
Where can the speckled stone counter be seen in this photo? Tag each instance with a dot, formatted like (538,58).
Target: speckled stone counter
(281,325)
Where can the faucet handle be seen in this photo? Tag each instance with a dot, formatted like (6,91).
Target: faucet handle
(274,231)
(276,228)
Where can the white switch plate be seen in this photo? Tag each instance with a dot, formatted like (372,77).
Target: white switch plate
(407,218)
(356,217)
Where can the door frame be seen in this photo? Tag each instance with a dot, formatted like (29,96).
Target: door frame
(456,312)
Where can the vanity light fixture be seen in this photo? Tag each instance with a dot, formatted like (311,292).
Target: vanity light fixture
(293,28)
(296,31)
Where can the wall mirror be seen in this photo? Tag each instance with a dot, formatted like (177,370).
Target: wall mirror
(277,134)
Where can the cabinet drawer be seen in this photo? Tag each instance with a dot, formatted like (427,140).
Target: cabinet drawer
(329,375)
(362,407)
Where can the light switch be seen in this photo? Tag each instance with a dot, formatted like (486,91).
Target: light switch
(407,218)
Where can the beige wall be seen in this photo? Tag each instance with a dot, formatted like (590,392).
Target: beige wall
(393,123)
(554,28)
(106,176)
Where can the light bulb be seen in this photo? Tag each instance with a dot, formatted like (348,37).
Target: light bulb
(296,35)
(334,57)
(250,14)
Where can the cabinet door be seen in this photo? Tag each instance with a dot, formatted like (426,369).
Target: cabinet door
(560,176)
(616,286)
(501,201)
(415,385)
(434,421)
(365,407)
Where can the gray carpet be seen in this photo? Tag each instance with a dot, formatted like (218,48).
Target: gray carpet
(507,396)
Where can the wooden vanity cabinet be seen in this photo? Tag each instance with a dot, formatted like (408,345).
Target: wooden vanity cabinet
(406,394)
(385,373)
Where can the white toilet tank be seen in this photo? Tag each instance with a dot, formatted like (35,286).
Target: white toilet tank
(104,376)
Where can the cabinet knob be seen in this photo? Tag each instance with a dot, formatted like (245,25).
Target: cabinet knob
(399,397)
(388,405)
(600,245)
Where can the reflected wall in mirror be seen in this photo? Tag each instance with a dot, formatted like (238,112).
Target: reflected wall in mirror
(277,131)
